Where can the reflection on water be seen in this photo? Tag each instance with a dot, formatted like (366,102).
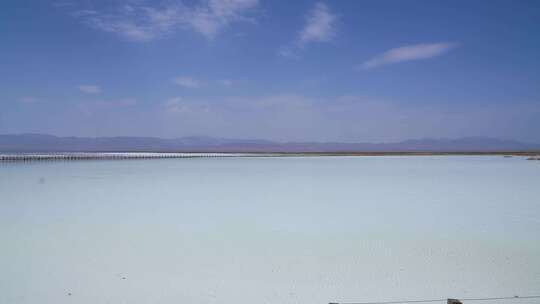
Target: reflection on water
(269,230)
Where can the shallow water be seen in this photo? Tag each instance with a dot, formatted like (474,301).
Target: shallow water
(269,230)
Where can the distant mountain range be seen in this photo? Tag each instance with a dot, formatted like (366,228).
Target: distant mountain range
(49,143)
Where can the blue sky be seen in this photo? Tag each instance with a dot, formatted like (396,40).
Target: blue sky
(281,70)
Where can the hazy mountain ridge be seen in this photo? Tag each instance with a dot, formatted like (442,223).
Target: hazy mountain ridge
(50,143)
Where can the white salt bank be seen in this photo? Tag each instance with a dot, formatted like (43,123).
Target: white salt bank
(269,230)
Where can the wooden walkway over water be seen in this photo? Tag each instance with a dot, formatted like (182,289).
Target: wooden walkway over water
(71,156)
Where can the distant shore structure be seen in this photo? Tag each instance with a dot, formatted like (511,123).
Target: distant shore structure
(79,156)
(71,156)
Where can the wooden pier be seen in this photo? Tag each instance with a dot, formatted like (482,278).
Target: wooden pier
(73,156)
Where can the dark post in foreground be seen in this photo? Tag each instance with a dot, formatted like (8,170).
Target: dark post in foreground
(453,301)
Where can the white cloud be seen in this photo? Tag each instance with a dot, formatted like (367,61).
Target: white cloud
(142,22)
(187,82)
(29,100)
(408,53)
(84,13)
(320,25)
(89,88)
(177,105)
(290,52)
(209,19)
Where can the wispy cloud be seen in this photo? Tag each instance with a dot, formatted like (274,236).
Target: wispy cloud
(187,82)
(320,25)
(178,105)
(174,105)
(209,19)
(286,117)
(144,22)
(409,53)
(89,88)
(289,52)
(296,117)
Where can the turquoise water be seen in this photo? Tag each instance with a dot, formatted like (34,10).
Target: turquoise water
(269,230)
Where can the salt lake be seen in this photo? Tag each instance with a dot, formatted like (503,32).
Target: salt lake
(269,229)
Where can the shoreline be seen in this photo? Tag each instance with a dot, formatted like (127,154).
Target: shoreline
(73,156)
